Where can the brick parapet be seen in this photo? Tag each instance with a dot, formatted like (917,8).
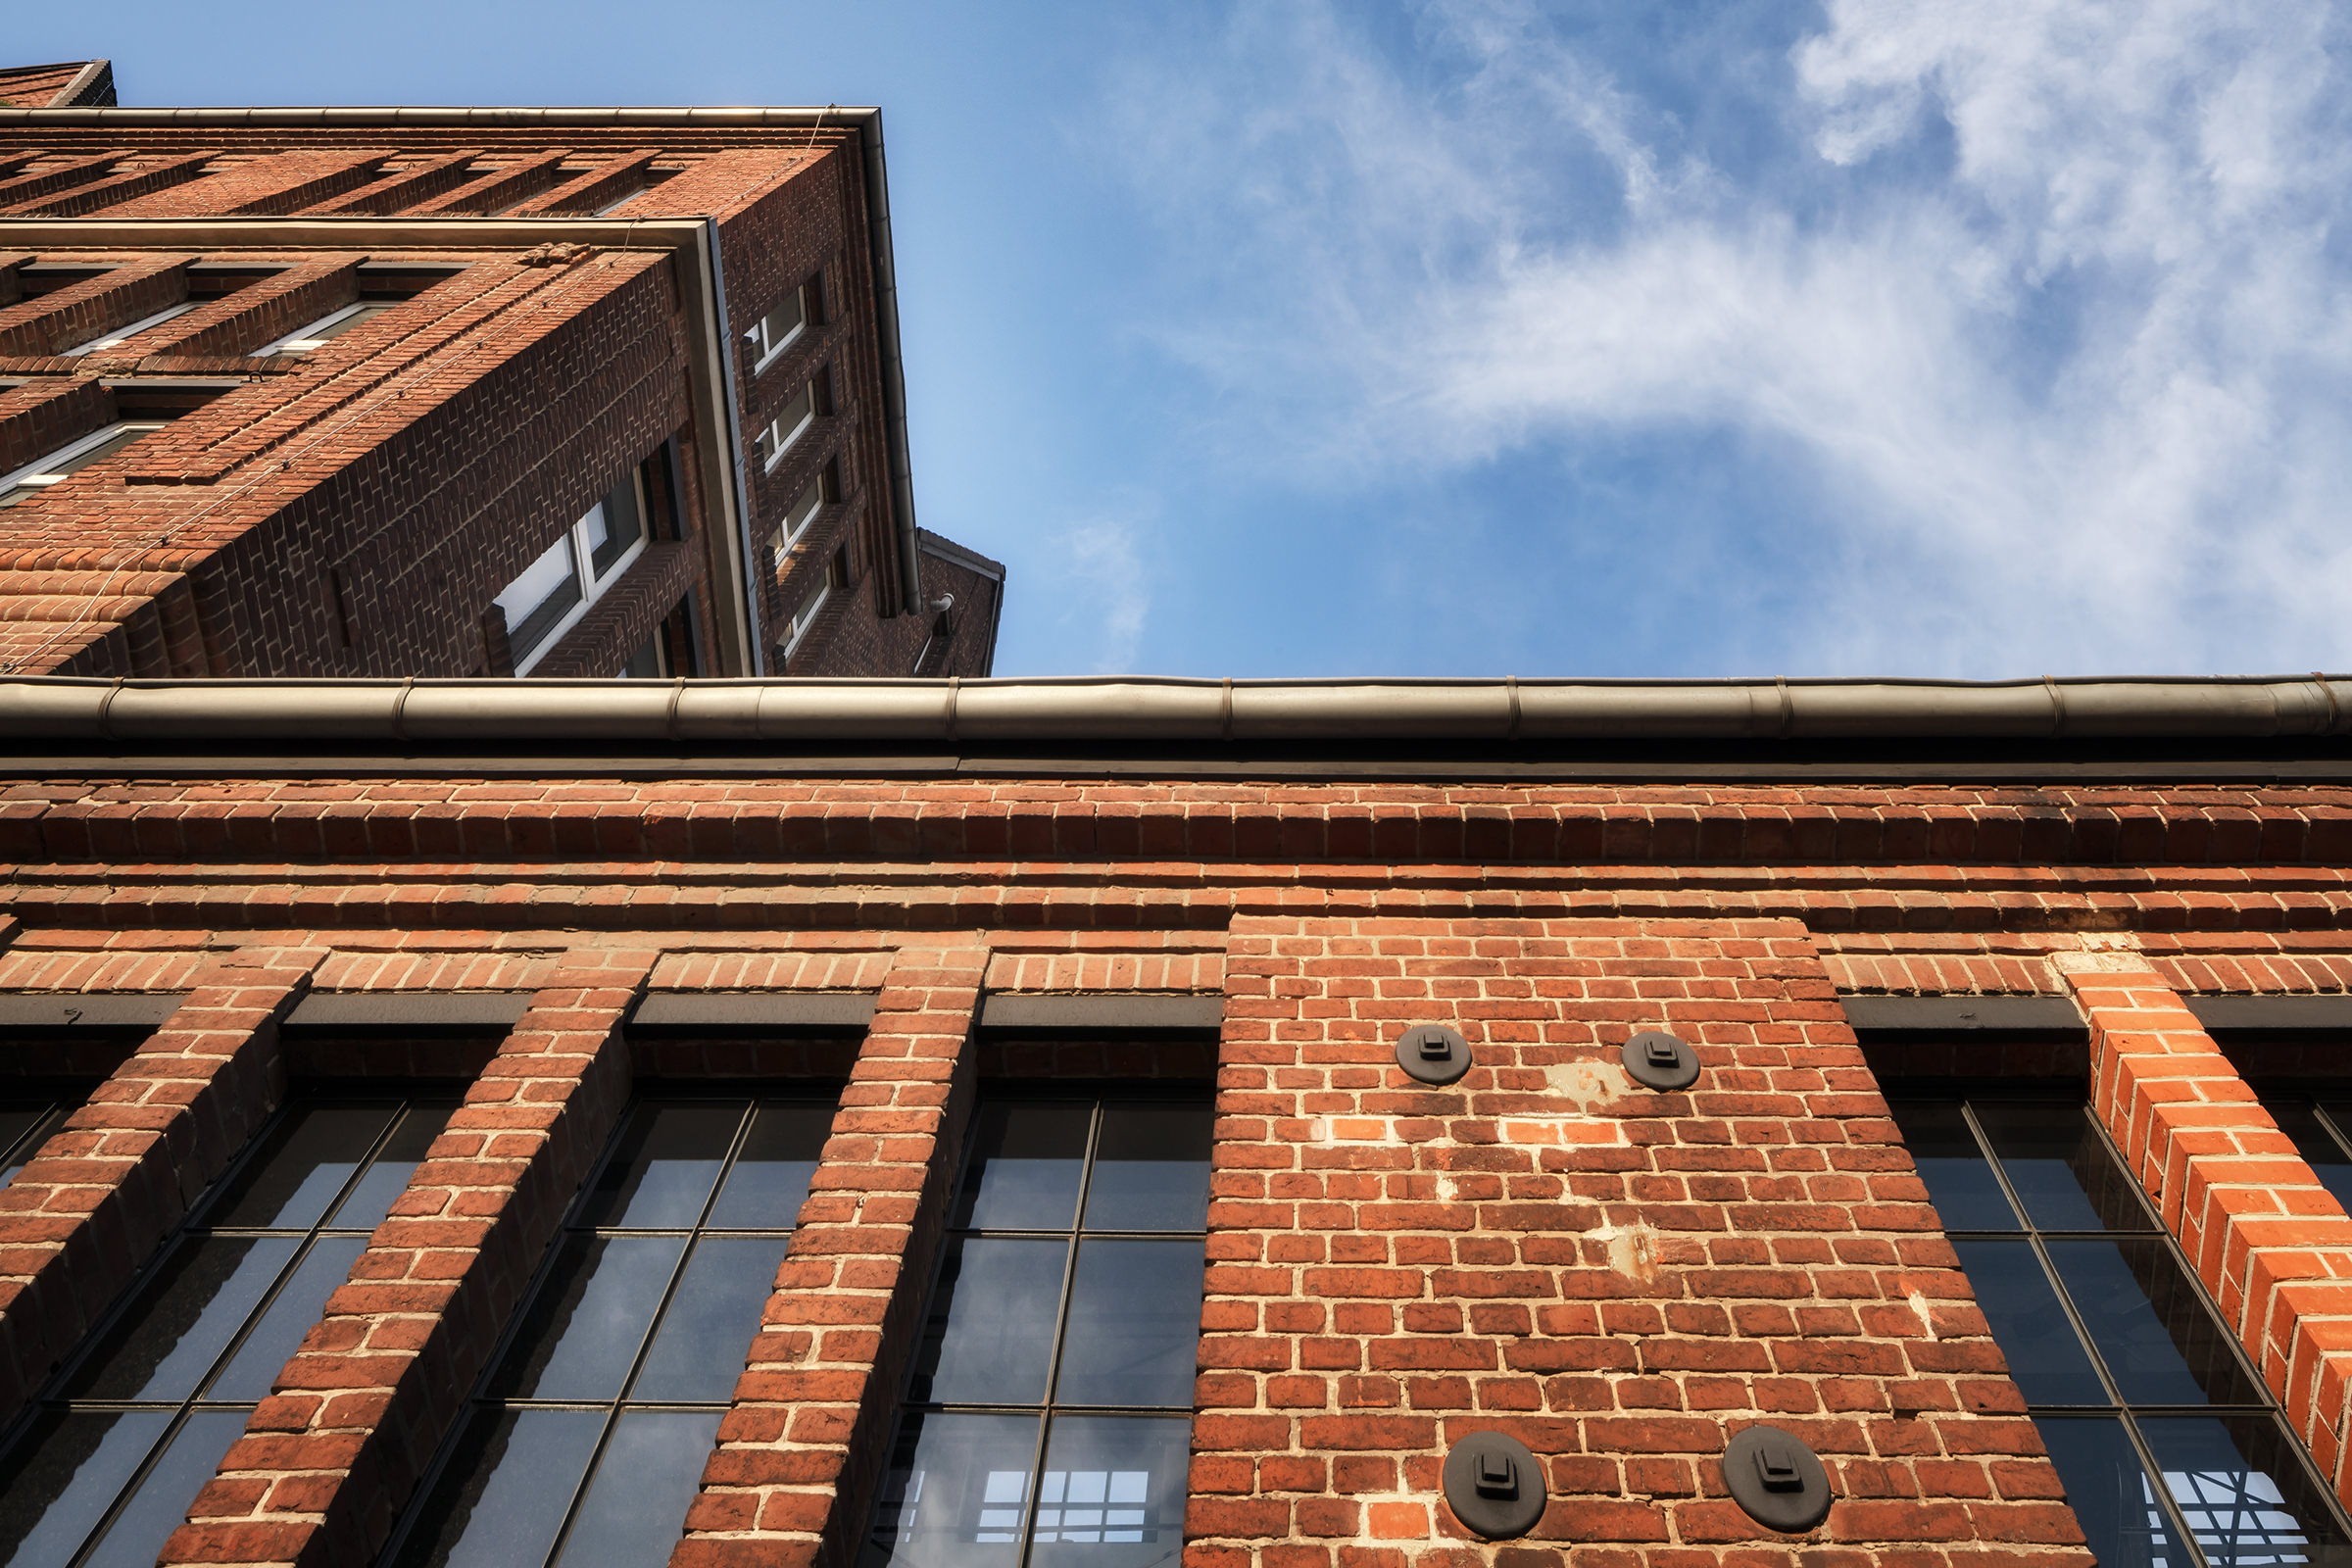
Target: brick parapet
(81,1217)
(800,1451)
(330,1457)
(1619,1279)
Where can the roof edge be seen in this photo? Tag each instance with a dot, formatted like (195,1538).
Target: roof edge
(520,715)
(800,118)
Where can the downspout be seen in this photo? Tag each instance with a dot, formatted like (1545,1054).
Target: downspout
(893,370)
(723,332)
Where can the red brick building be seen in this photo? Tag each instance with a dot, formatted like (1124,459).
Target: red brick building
(977,1123)
(418,392)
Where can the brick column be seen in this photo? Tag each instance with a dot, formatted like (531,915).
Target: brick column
(329,1460)
(800,1454)
(2271,1243)
(80,1219)
(1619,1278)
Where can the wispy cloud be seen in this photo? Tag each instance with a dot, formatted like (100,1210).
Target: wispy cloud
(1098,587)
(2047,295)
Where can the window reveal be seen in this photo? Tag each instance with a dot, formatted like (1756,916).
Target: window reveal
(551,594)
(37,475)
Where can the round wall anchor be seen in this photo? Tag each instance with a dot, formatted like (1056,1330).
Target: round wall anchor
(1494,1485)
(1433,1054)
(1776,1479)
(1659,1060)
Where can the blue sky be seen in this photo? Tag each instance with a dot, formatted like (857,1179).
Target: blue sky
(1960,337)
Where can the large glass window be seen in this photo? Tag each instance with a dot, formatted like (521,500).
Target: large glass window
(2127,1368)
(2320,1126)
(138,1423)
(552,592)
(1048,1416)
(587,1436)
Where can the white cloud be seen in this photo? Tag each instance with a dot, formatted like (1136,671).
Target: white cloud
(2047,298)
(1098,587)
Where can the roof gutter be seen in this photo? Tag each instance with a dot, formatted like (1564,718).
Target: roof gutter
(893,370)
(506,713)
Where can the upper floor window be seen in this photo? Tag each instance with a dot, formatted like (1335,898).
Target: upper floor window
(2159,1428)
(805,509)
(781,328)
(835,577)
(1049,1417)
(555,590)
(334,324)
(124,334)
(791,422)
(74,456)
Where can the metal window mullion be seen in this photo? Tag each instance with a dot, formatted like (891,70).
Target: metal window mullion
(653,1326)
(1062,1315)
(130,1488)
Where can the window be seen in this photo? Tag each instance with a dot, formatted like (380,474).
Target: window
(138,1422)
(2321,1130)
(124,334)
(788,427)
(334,324)
(554,591)
(596,1416)
(36,476)
(837,575)
(779,329)
(805,509)
(25,1123)
(2126,1367)
(1049,1417)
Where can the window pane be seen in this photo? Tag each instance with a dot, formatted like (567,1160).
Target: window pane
(2246,1496)
(711,1320)
(2326,1157)
(1151,1170)
(274,1340)
(2045,1356)
(589,1318)
(161,1504)
(618,526)
(1025,1170)
(525,637)
(190,1310)
(1134,1324)
(2108,1489)
(506,1492)
(661,1174)
(1959,1179)
(63,1476)
(635,1509)
(1112,1494)
(372,1197)
(954,1492)
(2061,1172)
(2151,1328)
(310,1157)
(990,1336)
(769,1180)
(23,1131)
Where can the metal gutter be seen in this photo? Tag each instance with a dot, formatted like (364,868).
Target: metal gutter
(750,638)
(894,369)
(500,714)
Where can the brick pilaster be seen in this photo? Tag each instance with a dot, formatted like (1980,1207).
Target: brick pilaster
(2271,1243)
(329,1460)
(799,1454)
(82,1217)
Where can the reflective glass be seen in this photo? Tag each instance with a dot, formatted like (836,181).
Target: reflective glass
(2244,1496)
(1151,1170)
(161,1503)
(372,1197)
(589,1318)
(662,1173)
(635,1509)
(990,1336)
(1025,1167)
(769,1179)
(2300,1121)
(190,1310)
(2044,1353)
(2059,1167)
(1960,1182)
(64,1478)
(2109,1490)
(312,1154)
(22,1129)
(2160,1342)
(1112,1493)
(954,1494)
(502,1501)
(1134,1324)
(300,1303)
(708,1330)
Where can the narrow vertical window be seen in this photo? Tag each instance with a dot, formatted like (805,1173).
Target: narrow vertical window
(587,1436)
(2171,1450)
(138,1423)
(1048,1416)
